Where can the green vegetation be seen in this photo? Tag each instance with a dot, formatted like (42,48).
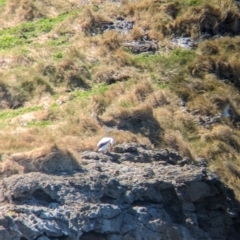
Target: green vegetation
(58,55)
(177,57)
(9,41)
(8,114)
(35,123)
(59,41)
(195,2)
(2,2)
(24,33)
(96,90)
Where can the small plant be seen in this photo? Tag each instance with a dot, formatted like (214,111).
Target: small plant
(8,41)
(58,55)
(34,123)
(59,41)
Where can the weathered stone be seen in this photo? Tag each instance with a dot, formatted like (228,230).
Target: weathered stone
(143,44)
(43,238)
(119,24)
(125,200)
(4,234)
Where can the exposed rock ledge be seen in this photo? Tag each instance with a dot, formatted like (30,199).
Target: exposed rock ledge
(132,193)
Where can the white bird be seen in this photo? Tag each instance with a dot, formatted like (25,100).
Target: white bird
(103,144)
(225,112)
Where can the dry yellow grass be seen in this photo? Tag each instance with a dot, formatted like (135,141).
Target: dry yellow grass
(47,159)
(24,10)
(174,139)
(205,108)
(229,171)
(92,87)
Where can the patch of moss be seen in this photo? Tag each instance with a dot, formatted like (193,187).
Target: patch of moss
(175,57)
(25,32)
(97,89)
(43,123)
(7,114)
(59,41)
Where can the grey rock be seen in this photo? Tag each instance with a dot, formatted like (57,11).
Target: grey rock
(184,42)
(119,24)
(43,238)
(142,45)
(134,152)
(127,199)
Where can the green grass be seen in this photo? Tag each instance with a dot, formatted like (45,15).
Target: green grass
(58,55)
(35,123)
(97,89)
(191,2)
(59,41)
(126,104)
(7,114)
(179,57)
(2,2)
(9,41)
(194,2)
(182,56)
(25,32)
(159,81)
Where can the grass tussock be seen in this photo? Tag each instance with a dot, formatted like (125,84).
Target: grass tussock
(25,10)
(233,169)
(174,140)
(92,23)
(48,159)
(206,19)
(9,168)
(229,171)
(111,74)
(226,135)
(158,98)
(77,126)
(69,74)
(112,40)
(136,120)
(220,58)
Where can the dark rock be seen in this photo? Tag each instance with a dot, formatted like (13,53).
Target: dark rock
(129,199)
(120,24)
(135,152)
(144,44)
(184,42)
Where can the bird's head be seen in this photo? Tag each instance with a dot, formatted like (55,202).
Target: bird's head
(112,141)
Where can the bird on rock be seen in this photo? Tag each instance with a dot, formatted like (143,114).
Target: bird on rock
(104,143)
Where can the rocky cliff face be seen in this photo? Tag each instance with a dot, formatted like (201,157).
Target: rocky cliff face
(130,193)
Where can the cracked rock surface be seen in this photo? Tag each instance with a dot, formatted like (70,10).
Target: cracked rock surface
(131,193)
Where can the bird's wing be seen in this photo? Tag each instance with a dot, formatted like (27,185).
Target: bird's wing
(103,142)
(225,111)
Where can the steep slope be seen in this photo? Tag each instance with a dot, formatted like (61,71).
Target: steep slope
(160,73)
